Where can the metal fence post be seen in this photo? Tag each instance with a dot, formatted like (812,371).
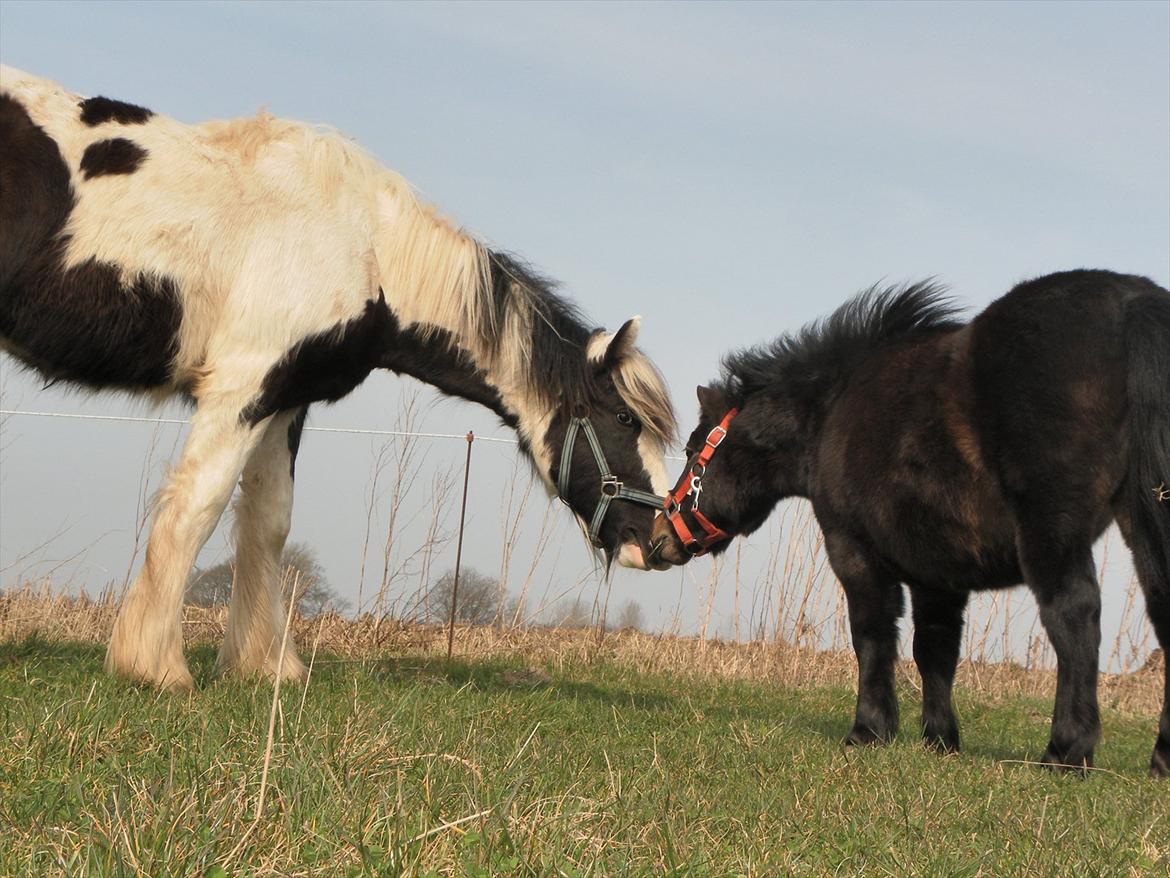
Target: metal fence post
(459,549)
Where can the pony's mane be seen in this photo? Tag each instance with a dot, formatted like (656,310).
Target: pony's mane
(509,317)
(827,349)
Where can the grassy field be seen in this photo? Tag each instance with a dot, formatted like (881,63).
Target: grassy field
(549,755)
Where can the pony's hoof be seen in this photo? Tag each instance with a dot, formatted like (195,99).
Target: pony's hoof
(1160,761)
(941,742)
(864,736)
(1069,763)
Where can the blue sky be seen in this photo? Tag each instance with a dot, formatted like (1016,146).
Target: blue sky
(728,171)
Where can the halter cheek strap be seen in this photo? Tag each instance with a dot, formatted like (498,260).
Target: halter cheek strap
(691,485)
(611,488)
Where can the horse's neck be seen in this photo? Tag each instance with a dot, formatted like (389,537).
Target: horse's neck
(435,359)
(469,325)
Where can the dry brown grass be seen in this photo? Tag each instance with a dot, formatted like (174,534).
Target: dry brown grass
(33,611)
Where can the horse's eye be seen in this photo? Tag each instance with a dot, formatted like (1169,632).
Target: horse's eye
(625,419)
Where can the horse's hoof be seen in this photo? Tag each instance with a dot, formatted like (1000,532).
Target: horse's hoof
(174,678)
(166,669)
(292,669)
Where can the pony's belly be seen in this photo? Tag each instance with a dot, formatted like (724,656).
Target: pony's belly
(965,551)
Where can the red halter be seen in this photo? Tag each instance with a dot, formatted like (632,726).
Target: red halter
(692,487)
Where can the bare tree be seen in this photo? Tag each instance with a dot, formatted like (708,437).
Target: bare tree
(630,616)
(478,599)
(213,587)
(515,612)
(568,614)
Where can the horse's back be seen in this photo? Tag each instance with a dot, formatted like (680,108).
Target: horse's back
(134,247)
(69,314)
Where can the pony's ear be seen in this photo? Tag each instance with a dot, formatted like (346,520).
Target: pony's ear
(712,402)
(621,343)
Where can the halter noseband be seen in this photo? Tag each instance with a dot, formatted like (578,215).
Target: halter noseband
(611,488)
(692,487)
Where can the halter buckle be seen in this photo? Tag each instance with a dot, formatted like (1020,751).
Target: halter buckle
(610,486)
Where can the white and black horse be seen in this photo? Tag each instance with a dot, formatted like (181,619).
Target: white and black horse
(259,265)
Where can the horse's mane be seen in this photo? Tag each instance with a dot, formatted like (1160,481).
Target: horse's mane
(509,317)
(813,358)
(550,337)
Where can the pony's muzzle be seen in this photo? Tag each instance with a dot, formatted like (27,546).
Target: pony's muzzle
(665,548)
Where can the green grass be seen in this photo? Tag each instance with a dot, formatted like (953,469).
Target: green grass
(410,766)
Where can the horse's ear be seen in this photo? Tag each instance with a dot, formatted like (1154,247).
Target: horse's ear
(711,401)
(622,343)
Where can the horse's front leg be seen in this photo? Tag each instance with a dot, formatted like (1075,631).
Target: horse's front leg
(147,642)
(263,513)
(875,604)
(938,632)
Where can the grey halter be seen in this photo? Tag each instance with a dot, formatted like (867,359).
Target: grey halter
(610,486)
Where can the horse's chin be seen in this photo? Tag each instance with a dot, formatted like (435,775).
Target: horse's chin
(631,555)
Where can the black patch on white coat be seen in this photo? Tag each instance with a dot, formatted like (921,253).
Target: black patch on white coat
(98,110)
(295,428)
(81,324)
(431,355)
(108,157)
(326,366)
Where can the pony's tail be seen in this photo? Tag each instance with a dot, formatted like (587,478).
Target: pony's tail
(1147,336)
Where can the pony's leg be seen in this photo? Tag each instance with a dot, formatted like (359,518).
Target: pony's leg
(938,631)
(1158,606)
(147,642)
(1064,581)
(1154,577)
(875,604)
(263,513)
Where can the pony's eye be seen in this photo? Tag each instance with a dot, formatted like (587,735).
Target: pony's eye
(625,419)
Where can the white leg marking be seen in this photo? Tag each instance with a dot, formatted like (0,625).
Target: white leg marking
(263,514)
(147,643)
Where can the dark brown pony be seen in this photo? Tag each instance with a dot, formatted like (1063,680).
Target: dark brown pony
(955,457)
